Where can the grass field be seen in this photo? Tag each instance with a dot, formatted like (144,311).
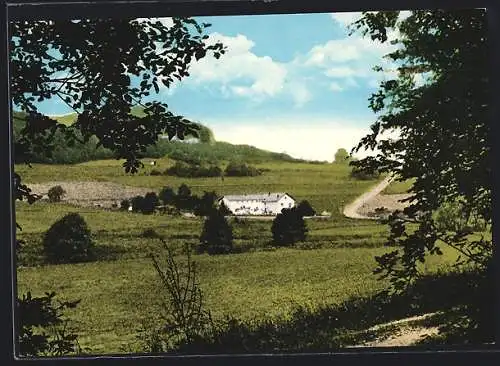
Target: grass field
(121,288)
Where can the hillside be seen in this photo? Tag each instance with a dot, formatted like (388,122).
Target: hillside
(204,150)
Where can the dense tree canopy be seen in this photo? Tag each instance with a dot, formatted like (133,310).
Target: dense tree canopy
(439,106)
(101,68)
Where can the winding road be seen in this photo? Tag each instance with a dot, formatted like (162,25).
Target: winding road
(351,210)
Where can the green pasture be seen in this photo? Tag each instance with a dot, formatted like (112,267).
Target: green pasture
(326,186)
(120,290)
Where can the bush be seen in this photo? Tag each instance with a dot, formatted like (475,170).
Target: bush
(56,193)
(167,196)
(155,172)
(304,208)
(150,202)
(182,169)
(234,169)
(124,205)
(288,227)
(451,216)
(362,174)
(205,204)
(68,240)
(217,235)
(137,203)
(224,210)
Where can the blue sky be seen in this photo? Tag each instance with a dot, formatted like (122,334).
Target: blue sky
(288,83)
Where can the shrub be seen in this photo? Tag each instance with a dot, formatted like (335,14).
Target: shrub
(452,216)
(124,205)
(150,202)
(362,174)
(184,200)
(217,235)
(137,203)
(56,193)
(288,227)
(305,209)
(223,209)
(68,240)
(155,172)
(186,319)
(234,169)
(182,169)
(167,196)
(205,204)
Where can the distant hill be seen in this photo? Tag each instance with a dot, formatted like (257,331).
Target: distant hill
(195,151)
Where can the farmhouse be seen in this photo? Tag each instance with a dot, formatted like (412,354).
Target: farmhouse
(258,204)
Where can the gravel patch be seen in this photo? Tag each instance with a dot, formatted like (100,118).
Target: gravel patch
(91,194)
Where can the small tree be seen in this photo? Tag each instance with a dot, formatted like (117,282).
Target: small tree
(184,200)
(137,203)
(305,209)
(223,209)
(68,240)
(167,196)
(150,202)
(217,235)
(342,156)
(124,205)
(205,204)
(56,193)
(288,227)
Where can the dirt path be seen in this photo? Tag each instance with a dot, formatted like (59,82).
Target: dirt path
(364,207)
(405,335)
(351,210)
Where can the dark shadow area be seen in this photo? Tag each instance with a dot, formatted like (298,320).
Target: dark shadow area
(465,300)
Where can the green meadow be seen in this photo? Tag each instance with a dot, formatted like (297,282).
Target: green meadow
(121,290)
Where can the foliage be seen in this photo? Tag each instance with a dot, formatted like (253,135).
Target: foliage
(56,193)
(137,203)
(167,195)
(363,174)
(99,58)
(451,216)
(289,227)
(125,205)
(206,204)
(235,169)
(150,203)
(342,156)
(223,209)
(184,314)
(42,328)
(304,208)
(68,240)
(443,124)
(217,234)
(184,200)
(181,169)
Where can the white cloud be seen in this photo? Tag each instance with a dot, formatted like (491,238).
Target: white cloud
(335,86)
(240,70)
(341,72)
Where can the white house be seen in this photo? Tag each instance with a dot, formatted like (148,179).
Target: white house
(258,204)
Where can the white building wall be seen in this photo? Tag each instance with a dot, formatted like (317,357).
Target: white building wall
(248,207)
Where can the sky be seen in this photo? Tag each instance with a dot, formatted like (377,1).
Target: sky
(297,84)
